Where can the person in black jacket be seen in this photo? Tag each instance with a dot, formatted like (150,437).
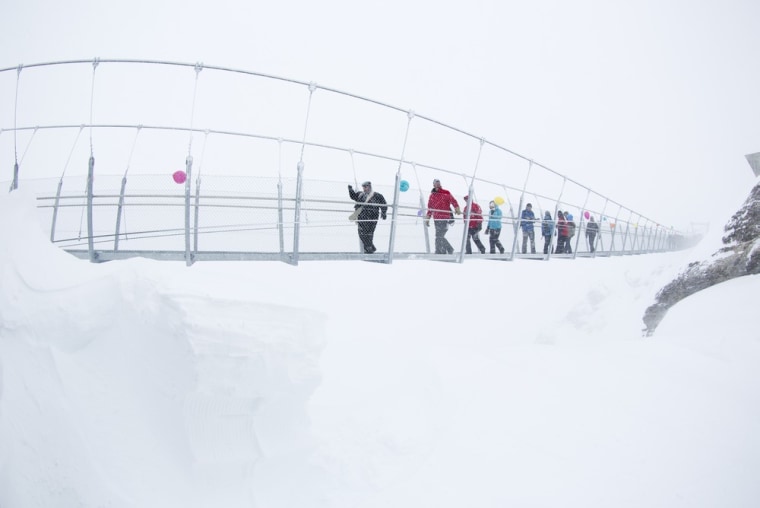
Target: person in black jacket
(592,228)
(372,205)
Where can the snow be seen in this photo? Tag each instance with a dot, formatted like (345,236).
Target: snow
(351,384)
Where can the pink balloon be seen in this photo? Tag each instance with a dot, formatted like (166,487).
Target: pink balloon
(586,214)
(179,176)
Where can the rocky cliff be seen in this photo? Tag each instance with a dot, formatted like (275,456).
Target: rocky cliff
(740,255)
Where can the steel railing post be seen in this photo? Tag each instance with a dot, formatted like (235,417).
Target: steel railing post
(90,237)
(297,215)
(188,176)
(119,211)
(55,211)
(197,208)
(280,218)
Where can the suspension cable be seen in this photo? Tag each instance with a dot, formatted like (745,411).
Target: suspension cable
(471,189)
(198,68)
(92,98)
(132,150)
(353,166)
(15,114)
(26,149)
(312,88)
(203,154)
(279,159)
(71,152)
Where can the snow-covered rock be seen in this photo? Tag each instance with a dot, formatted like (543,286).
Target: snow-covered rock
(739,256)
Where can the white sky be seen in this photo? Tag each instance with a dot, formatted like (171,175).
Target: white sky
(364,385)
(653,103)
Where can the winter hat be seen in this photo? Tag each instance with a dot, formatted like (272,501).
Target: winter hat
(367,184)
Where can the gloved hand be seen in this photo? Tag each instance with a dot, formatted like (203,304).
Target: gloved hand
(383,216)
(350,187)
(488,230)
(457,211)
(427,223)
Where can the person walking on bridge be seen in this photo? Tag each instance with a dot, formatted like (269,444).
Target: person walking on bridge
(439,207)
(494,228)
(547,230)
(372,205)
(474,226)
(592,228)
(563,237)
(527,218)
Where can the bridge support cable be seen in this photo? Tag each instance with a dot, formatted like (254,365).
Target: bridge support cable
(188,173)
(359,243)
(196,206)
(90,238)
(614,229)
(579,229)
(17,164)
(627,228)
(396,191)
(635,234)
(299,181)
(91,173)
(280,204)
(14,182)
(468,206)
(646,235)
(120,206)
(518,218)
(598,240)
(198,194)
(60,186)
(189,170)
(422,213)
(552,246)
(353,167)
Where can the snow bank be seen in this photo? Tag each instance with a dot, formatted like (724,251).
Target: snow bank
(114,391)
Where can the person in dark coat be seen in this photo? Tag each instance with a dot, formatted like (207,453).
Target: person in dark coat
(592,229)
(571,226)
(372,206)
(547,231)
(526,223)
(563,235)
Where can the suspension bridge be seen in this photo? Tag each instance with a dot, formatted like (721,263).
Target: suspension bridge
(188,161)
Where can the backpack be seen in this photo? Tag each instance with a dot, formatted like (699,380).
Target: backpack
(571,228)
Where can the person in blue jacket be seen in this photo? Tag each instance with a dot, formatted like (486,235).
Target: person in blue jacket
(527,218)
(493,230)
(547,231)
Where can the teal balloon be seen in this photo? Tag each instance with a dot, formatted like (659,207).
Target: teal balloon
(403,186)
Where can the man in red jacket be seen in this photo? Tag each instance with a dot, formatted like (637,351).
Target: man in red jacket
(439,208)
(474,226)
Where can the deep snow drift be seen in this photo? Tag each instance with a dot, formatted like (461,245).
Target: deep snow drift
(350,384)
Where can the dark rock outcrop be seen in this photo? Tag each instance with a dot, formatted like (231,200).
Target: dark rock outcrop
(740,256)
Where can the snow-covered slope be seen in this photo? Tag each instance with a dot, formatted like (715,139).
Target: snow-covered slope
(349,384)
